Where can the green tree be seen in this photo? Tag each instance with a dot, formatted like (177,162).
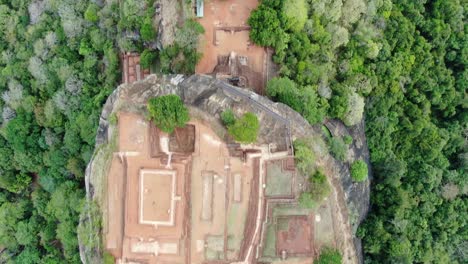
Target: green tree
(168,112)
(284,90)
(245,129)
(30,255)
(295,12)
(26,232)
(10,215)
(265,24)
(347,139)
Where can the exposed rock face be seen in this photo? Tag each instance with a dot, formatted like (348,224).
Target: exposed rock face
(209,98)
(357,195)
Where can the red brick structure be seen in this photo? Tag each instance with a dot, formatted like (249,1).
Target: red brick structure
(132,70)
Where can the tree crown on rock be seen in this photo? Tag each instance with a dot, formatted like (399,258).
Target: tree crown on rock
(168,112)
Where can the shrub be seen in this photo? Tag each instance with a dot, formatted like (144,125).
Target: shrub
(347,139)
(245,129)
(147,30)
(228,117)
(188,35)
(338,148)
(304,156)
(329,256)
(319,189)
(108,258)
(175,59)
(306,200)
(113,119)
(147,58)
(359,171)
(168,112)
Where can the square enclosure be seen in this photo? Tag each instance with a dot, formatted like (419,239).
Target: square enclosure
(157,197)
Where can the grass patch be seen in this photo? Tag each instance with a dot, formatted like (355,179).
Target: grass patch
(290,210)
(269,249)
(234,243)
(235,227)
(329,256)
(279,182)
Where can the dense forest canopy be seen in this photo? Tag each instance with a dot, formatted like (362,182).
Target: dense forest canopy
(59,60)
(57,67)
(402,65)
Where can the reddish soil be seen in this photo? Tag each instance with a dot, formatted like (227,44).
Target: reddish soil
(135,149)
(156,197)
(297,239)
(226,31)
(208,159)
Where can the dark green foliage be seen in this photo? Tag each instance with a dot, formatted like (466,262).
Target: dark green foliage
(147,30)
(228,117)
(147,58)
(175,59)
(285,91)
(135,25)
(66,64)
(329,256)
(408,58)
(168,112)
(303,100)
(29,255)
(359,171)
(413,130)
(264,25)
(245,129)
